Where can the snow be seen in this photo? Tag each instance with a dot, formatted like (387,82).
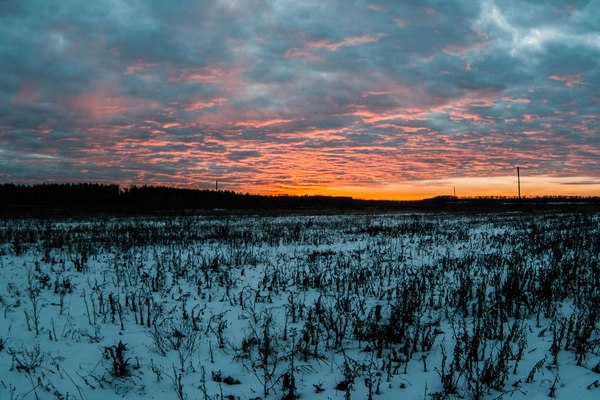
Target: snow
(208,291)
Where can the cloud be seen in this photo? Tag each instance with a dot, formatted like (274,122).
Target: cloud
(351,41)
(297,94)
(588,182)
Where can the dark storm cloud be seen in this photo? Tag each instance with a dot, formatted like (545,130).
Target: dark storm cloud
(177,92)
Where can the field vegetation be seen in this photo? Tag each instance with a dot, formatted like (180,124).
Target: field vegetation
(353,306)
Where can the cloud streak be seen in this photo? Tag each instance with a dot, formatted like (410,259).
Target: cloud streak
(303,97)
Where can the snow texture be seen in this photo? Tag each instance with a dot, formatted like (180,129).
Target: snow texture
(415,306)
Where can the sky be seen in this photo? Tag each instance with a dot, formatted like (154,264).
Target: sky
(373,99)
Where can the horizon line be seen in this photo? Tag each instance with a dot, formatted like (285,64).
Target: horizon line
(123,187)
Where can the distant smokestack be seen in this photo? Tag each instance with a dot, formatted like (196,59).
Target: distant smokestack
(216,185)
(519,182)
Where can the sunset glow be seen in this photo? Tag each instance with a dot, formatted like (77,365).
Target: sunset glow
(370,99)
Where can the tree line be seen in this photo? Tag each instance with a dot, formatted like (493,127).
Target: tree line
(156,198)
(150,197)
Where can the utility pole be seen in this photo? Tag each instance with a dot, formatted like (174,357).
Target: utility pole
(216,186)
(519,182)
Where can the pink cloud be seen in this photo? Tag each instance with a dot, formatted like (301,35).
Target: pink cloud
(512,100)
(569,80)
(202,104)
(138,67)
(310,134)
(262,123)
(372,117)
(97,105)
(352,41)
(402,128)
(528,118)
(301,53)
(202,74)
(103,103)
(459,50)
(476,119)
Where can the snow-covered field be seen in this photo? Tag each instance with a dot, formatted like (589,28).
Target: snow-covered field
(315,307)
